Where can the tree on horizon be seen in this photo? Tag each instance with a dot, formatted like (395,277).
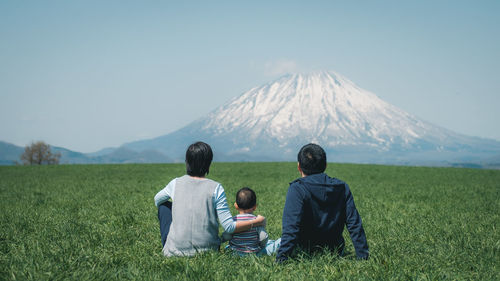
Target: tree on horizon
(39,153)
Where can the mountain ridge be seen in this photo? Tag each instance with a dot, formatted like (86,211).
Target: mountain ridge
(274,120)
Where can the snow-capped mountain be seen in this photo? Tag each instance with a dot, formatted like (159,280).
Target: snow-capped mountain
(273,121)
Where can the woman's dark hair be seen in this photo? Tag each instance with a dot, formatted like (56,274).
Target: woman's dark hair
(198,159)
(246,198)
(312,159)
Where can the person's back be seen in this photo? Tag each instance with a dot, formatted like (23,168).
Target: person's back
(250,241)
(324,211)
(254,240)
(194,220)
(190,208)
(316,209)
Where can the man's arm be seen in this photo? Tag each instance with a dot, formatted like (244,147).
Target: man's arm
(292,215)
(355,227)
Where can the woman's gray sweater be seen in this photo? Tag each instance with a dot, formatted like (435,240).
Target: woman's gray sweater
(194,220)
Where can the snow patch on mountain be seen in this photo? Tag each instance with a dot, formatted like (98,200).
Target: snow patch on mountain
(322,106)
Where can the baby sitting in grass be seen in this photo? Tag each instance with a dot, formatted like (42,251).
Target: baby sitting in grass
(255,240)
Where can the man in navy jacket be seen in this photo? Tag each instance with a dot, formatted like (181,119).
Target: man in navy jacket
(316,209)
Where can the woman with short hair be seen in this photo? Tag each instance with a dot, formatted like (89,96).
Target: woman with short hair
(190,222)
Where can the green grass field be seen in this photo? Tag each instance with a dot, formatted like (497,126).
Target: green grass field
(99,222)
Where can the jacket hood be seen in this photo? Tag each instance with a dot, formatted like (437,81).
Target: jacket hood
(322,187)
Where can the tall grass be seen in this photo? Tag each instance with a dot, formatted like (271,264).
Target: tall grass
(99,222)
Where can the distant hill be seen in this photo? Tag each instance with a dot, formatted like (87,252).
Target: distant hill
(125,155)
(271,122)
(10,154)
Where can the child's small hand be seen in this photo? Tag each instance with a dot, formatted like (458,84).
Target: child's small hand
(226,236)
(260,221)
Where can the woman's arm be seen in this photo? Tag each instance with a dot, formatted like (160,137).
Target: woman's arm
(166,193)
(225,217)
(247,225)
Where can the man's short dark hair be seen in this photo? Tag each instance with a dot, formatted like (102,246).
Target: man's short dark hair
(312,159)
(198,159)
(246,198)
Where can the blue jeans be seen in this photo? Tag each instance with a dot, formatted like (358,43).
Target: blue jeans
(165,218)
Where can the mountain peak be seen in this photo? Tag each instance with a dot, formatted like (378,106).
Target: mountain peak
(321,106)
(272,121)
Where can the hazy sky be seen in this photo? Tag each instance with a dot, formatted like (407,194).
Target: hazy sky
(87,75)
